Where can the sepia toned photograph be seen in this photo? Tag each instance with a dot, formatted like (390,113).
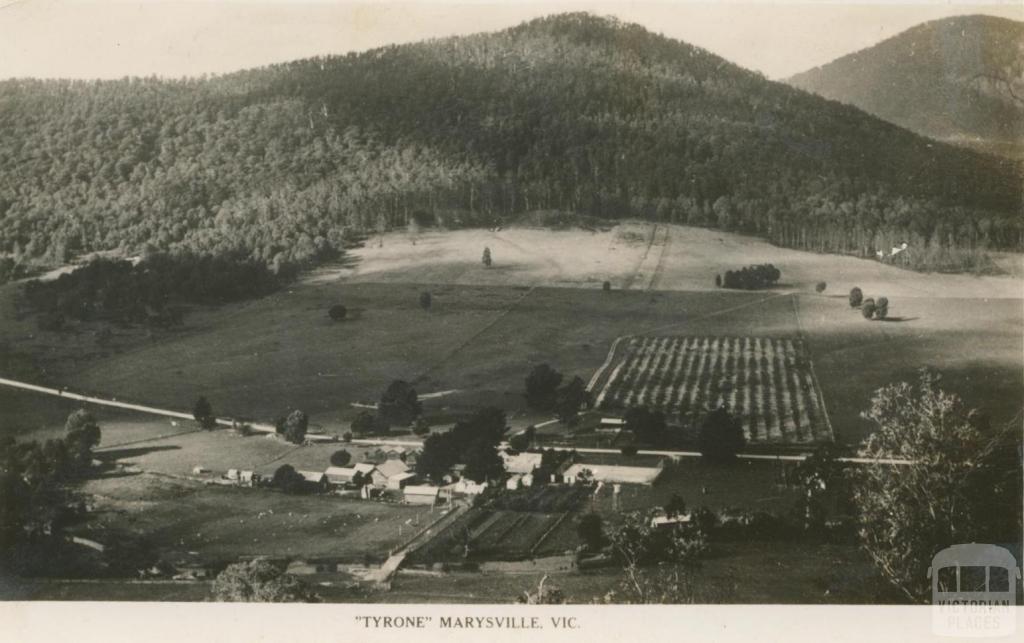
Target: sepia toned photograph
(684,303)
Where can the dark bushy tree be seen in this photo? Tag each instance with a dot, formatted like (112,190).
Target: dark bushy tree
(399,405)
(295,427)
(82,434)
(881,308)
(752,277)
(420,426)
(483,463)
(542,386)
(820,287)
(720,437)
(570,398)
(629,450)
(288,480)
(486,257)
(202,411)
(606,286)
(364,423)
(425,300)
(341,458)
(856,297)
(867,308)
(647,426)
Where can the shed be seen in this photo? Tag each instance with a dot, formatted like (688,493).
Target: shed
(232,474)
(421,494)
(339,476)
(248,477)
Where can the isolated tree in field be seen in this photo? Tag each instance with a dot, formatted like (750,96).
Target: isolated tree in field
(81,435)
(483,462)
(718,281)
(337,312)
(720,437)
(399,405)
(881,308)
(288,480)
(867,309)
(486,258)
(542,387)
(820,287)
(341,458)
(591,532)
(259,581)
(606,286)
(569,399)
(647,426)
(295,427)
(425,300)
(961,482)
(856,297)
(202,411)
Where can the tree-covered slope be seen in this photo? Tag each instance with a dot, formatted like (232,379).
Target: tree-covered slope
(570,112)
(958,79)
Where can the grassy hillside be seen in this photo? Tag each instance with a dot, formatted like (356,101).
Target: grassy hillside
(567,113)
(958,79)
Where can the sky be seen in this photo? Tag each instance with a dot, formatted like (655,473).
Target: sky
(174,38)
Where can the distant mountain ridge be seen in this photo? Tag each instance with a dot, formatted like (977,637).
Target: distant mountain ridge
(570,113)
(958,79)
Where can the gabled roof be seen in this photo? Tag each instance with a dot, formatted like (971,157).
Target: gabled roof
(392,468)
(365,467)
(346,473)
(312,476)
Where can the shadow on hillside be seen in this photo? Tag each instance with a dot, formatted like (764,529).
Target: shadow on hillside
(900,319)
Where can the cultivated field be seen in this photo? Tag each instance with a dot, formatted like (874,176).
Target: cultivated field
(766,382)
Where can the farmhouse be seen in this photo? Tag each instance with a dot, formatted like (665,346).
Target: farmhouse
(384,472)
(521,462)
(421,495)
(612,473)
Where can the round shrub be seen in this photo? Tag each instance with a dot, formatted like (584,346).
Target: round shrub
(337,312)
(820,287)
(606,286)
(881,308)
(868,308)
(629,450)
(856,297)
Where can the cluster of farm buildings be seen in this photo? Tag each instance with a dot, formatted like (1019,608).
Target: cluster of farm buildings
(393,477)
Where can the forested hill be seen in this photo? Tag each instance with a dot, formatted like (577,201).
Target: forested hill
(958,79)
(571,112)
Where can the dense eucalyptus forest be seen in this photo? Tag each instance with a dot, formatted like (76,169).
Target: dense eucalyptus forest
(574,113)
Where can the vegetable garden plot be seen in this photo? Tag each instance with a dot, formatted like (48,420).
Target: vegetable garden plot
(767,382)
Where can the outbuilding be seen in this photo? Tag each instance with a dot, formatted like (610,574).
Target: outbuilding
(421,494)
